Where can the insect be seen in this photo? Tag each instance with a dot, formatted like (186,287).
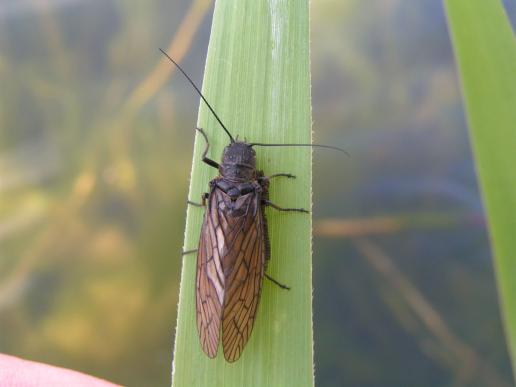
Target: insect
(234,245)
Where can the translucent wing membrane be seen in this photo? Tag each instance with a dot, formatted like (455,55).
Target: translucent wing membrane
(210,289)
(230,270)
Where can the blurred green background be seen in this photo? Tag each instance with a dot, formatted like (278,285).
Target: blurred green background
(95,153)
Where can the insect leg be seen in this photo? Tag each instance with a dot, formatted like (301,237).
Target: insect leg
(269,203)
(205,159)
(276,282)
(204,196)
(194,203)
(186,252)
(289,175)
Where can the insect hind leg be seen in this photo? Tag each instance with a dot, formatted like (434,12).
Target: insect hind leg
(186,252)
(282,286)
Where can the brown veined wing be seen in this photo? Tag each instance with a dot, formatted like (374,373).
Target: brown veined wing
(230,270)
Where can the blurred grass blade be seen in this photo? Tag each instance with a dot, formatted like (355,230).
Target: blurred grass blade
(257,78)
(485,50)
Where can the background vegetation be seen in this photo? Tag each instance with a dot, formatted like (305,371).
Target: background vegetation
(485,48)
(95,152)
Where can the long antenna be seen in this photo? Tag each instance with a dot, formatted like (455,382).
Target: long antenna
(310,145)
(202,96)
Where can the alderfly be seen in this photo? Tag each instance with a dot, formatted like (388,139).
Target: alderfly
(234,244)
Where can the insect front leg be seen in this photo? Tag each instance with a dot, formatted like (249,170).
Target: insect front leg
(270,204)
(210,162)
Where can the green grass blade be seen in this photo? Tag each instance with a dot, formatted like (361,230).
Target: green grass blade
(257,78)
(485,49)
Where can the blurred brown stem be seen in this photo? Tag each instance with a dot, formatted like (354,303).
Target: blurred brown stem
(14,284)
(381,225)
(177,48)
